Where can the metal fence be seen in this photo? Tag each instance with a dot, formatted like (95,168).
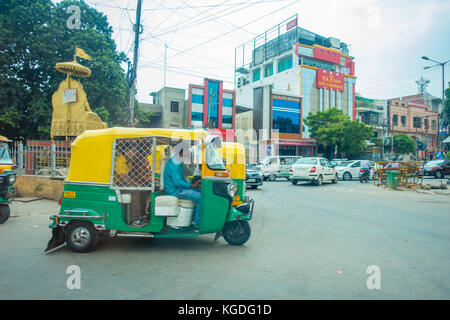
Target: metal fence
(41,158)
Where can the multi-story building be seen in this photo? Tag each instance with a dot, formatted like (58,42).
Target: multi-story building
(373,113)
(211,106)
(287,73)
(207,106)
(168,108)
(409,116)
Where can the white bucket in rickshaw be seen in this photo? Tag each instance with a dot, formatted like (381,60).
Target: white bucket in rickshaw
(184,218)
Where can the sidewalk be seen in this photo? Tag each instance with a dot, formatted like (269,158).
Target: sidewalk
(21,207)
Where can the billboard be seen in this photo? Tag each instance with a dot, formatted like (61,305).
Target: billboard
(330,80)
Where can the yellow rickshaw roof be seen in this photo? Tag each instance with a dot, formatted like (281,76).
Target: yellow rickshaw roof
(3,138)
(119,132)
(92,150)
(237,148)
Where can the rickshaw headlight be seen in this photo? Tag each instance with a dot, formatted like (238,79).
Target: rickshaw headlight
(12,179)
(231,189)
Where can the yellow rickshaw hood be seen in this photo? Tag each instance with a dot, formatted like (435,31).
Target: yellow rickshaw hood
(91,154)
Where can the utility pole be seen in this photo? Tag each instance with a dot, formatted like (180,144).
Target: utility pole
(442,64)
(165,63)
(137,27)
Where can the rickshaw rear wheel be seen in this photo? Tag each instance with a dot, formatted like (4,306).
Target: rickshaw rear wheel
(236,233)
(81,236)
(4,213)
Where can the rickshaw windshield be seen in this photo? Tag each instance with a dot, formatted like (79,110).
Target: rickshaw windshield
(213,159)
(4,152)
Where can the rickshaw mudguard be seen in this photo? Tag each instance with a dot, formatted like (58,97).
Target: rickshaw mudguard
(235,214)
(57,238)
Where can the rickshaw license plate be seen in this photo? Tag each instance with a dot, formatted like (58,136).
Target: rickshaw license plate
(69,194)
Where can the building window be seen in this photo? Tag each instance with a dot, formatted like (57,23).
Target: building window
(425,124)
(416,122)
(395,120)
(227,102)
(268,70)
(284,64)
(256,75)
(197,116)
(286,116)
(173,106)
(318,64)
(196,98)
(403,121)
(433,124)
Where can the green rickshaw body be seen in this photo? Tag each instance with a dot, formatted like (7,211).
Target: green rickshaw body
(102,205)
(7,179)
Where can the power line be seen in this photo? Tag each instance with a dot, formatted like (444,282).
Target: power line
(239,27)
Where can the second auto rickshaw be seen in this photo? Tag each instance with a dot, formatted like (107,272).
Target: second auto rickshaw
(7,179)
(102,193)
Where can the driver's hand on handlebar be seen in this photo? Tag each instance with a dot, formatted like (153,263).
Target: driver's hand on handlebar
(196,184)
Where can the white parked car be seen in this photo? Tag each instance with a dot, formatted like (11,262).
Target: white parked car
(312,169)
(276,167)
(350,170)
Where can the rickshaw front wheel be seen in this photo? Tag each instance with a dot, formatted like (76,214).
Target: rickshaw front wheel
(4,213)
(81,236)
(236,233)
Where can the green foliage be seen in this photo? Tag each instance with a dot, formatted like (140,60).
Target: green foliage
(446,111)
(404,144)
(353,136)
(34,37)
(332,127)
(143,118)
(378,141)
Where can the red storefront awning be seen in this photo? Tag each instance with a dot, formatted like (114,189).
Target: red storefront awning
(303,143)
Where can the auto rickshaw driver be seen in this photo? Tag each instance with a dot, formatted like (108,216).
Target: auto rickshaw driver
(175,185)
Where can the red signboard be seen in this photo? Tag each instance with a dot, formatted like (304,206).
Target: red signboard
(291,24)
(326,54)
(330,80)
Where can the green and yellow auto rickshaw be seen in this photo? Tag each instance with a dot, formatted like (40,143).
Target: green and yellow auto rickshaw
(7,179)
(103,190)
(234,155)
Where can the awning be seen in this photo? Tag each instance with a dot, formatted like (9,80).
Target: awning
(446,140)
(304,143)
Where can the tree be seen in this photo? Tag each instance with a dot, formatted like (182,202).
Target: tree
(446,111)
(404,144)
(33,37)
(332,128)
(353,137)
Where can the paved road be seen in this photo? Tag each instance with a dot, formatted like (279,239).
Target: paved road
(307,242)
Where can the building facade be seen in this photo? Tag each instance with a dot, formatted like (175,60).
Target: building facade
(207,106)
(409,116)
(290,73)
(168,109)
(211,106)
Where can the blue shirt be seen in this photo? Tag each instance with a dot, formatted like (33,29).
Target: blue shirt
(174,177)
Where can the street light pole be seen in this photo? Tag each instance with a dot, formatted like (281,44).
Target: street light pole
(442,64)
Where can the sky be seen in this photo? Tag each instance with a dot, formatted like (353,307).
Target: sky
(387,38)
